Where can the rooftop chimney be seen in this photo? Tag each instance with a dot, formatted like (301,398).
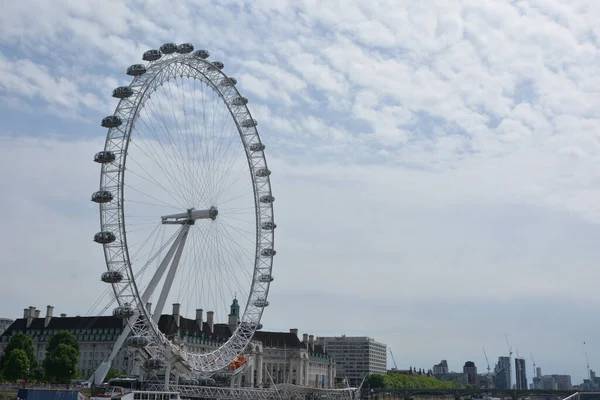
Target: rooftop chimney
(149,308)
(25,312)
(37,313)
(294,331)
(305,339)
(199,317)
(311,342)
(209,320)
(49,311)
(31,315)
(176,316)
(63,315)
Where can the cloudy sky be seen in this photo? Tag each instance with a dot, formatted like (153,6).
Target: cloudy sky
(435,163)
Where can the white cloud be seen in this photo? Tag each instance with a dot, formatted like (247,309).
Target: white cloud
(437,150)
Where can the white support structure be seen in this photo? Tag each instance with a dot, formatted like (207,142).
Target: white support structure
(170,275)
(100,373)
(279,392)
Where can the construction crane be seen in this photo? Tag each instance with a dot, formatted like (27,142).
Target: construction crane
(533,361)
(393,359)
(486,360)
(510,352)
(587,362)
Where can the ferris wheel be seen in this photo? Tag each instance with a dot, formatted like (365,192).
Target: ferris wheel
(186,208)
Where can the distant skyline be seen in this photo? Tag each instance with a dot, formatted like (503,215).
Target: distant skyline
(435,164)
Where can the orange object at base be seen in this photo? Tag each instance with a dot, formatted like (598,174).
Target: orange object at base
(237,363)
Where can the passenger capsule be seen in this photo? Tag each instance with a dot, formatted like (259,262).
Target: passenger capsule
(268,252)
(261,303)
(262,172)
(268,226)
(151,55)
(266,199)
(137,341)
(228,82)
(204,54)
(249,123)
(104,157)
(265,278)
(111,277)
(168,48)
(112,121)
(122,92)
(256,147)
(155,363)
(102,196)
(136,70)
(216,65)
(124,311)
(104,237)
(239,101)
(185,48)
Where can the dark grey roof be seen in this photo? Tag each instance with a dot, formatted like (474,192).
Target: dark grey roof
(166,323)
(66,323)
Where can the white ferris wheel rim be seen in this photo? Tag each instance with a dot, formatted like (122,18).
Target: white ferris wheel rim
(113,219)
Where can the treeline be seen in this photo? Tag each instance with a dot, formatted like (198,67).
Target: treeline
(401,381)
(60,365)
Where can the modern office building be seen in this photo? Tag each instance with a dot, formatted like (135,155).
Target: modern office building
(470,370)
(520,374)
(355,356)
(441,368)
(503,373)
(278,357)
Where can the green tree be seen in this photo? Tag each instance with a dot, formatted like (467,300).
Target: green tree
(62,337)
(16,365)
(62,357)
(60,364)
(22,342)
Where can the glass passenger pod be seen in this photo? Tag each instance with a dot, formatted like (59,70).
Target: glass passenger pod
(151,55)
(168,48)
(268,252)
(203,54)
(216,65)
(122,92)
(104,157)
(185,48)
(136,70)
(124,311)
(266,199)
(111,277)
(102,196)
(261,303)
(155,363)
(239,101)
(256,147)
(268,226)
(228,82)
(138,341)
(104,237)
(262,172)
(112,121)
(265,278)
(249,123)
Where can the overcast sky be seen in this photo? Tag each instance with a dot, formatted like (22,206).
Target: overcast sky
(435,163)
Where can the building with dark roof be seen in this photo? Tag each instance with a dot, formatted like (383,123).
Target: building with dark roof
(278,357)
